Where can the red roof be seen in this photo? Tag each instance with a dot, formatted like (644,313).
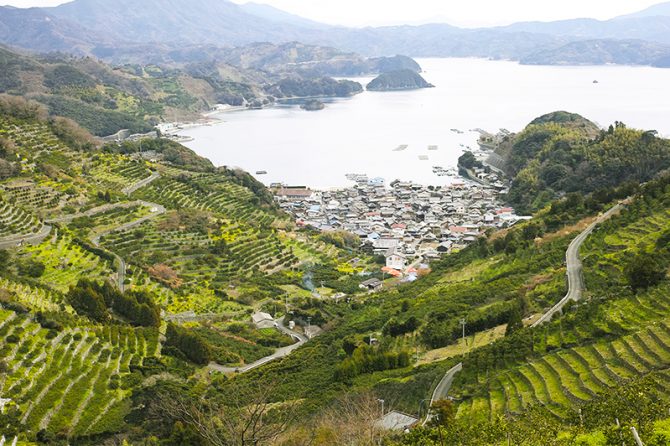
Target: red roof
(460,229)
(391,271)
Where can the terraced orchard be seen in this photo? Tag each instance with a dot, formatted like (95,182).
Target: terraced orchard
(31,196)
(66,262)
(209,192)
(72,381)
(116,172)
(16,221)
(617,335)
(234,236)
(30,139)
(561,381)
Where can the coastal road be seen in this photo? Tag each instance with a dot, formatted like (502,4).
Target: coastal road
(15,240)
(278,354)
(140,184)
(574,266)
(442,388)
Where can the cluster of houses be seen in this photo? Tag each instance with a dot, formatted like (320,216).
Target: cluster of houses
(408,223)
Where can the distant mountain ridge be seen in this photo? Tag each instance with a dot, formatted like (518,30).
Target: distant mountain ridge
(661,9)
(652,28)
(162,31)
(195,21)
(277,15)
(602,52)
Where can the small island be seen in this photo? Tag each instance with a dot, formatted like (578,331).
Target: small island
(313,105)
(398,80)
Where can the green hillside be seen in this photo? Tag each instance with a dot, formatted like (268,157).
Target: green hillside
(181,237)
(562,153)
(129,274)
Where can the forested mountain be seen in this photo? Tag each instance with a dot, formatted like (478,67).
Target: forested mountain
(562,153)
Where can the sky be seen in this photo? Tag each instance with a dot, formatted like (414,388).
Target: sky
(468,13)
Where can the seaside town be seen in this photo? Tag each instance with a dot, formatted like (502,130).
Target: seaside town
(408,223)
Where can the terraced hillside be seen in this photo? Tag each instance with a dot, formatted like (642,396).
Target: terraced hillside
(618,336)
(154,261)
(105,250)
(74,380)
(16,222)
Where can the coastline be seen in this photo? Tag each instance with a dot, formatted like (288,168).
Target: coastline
(207,119)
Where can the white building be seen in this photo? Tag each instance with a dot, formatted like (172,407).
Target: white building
(396,260)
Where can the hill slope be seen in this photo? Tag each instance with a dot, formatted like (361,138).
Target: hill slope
(563,153)
(101,246)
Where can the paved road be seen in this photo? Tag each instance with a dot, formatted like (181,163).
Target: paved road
(280,353)
(442,388)
(157,210)
(121,269)
(574,265)
(140,184)
(94,211)
(32,239)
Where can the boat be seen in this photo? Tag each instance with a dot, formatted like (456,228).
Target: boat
(432,147)
(401,147)
(423,157)
(261,172)
(596,81)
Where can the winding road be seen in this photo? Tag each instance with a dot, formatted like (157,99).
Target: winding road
(156,210)
(278,354)
(574,266)
(140,184)
(17,240)
(442,389)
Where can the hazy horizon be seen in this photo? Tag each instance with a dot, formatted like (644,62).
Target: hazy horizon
(474,13)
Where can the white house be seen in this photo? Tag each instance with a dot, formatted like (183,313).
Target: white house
(396,260)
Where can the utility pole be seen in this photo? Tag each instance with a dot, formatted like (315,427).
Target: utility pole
(638,441)
(416,347)
(463,324)
(618,425)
